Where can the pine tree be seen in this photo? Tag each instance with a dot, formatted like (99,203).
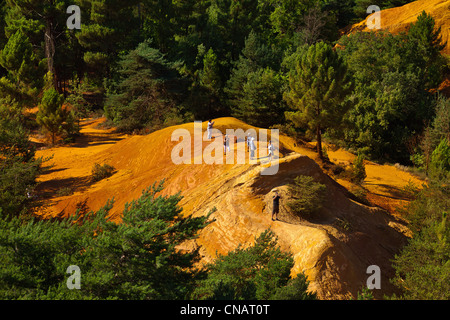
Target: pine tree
(52,14)
(109,27)
(256,272)
(358,170)
(18,166)
(158,22)
(440,161)
(210,79)
(137,259)
(422,269)
(425,44)
(51,114)
(390,103)
(18,58)
(148,90)
(261,102)
(437,131)
(318,89)
(254,90)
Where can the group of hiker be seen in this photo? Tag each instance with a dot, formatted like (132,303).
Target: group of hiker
(249,140)
(251,147)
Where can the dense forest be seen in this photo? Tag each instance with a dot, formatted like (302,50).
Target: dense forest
(155,63)
(149,64)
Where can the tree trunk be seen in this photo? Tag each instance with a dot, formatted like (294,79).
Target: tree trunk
(319,142)
(50,48)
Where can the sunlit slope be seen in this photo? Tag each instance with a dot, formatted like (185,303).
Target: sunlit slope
(398,19)
(334,247)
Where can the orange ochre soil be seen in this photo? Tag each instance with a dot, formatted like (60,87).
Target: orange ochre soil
(333,249)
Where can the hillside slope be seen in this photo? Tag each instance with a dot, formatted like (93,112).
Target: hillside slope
(398,19)
(334,247)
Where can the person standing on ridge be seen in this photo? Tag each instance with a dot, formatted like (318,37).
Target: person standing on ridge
(248,140)
(252,148)
(276,205)
(209,128)
(226,144)
(270,148)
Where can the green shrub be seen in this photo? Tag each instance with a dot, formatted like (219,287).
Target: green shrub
(411,190)
(356,173)
(365,294)
(64,192)
(422,268)
(51,115)
(361,193)
(344,224)
(100,172)
(296,289)
(358,170)
(307,195)
(18,166)
(440,161)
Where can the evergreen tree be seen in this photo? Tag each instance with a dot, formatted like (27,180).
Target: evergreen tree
(434,133)
(358,170)
(137,259)
(424,47)
(308,196)
(318,89)
(390,103)
(52,15)
(149,91)
(17,20)
(254,90)
(211,81)
(51,114)
(287,15)
(422,268)
(2,24)
(296,289)
(18,166)
(109,28)
(342,10)
(141,258)
(158,22)
(440,161)
(261,101)
(256,272)
(23,67)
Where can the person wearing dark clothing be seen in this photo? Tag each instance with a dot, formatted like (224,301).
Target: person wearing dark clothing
(226,144)
(276,205)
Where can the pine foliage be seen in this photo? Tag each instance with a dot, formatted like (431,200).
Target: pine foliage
(51,114)
(139,258)
(318,88)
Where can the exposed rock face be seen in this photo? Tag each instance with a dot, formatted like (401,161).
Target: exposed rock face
(334,247)
(333,256)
